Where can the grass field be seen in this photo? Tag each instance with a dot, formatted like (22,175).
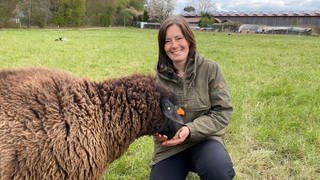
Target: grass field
(274,81)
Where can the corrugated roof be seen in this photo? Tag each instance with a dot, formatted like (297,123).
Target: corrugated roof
(280,13)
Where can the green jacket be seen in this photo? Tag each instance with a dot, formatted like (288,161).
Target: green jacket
(205,98)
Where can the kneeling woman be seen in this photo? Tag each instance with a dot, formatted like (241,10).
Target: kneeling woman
(204,96)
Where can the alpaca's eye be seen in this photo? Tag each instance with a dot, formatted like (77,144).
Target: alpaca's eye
(169,108)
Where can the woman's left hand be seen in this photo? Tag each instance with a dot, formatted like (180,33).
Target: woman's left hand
(179,137)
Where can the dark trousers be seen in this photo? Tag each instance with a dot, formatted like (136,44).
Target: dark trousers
(208,159)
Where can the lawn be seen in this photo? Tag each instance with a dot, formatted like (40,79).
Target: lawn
(274,82)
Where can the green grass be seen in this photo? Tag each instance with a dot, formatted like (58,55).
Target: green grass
(273,79)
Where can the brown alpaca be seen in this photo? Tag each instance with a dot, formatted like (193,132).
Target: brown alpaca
(54,125)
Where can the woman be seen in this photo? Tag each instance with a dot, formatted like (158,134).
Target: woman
(204,97)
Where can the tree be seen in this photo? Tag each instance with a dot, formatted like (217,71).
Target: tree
(138,7)
(70,12)
(206,20)
(204,6)
(189,9)
(37,12)
(99,12)
(7,11)
(113,12)
(159,10)
(137,4)
(128,11)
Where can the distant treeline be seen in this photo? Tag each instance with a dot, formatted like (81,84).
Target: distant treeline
(67,13)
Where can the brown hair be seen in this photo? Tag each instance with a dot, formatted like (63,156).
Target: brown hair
(186,31)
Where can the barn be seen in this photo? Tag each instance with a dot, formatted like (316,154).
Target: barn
(300,19)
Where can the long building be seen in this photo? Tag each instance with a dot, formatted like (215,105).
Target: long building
(302,18)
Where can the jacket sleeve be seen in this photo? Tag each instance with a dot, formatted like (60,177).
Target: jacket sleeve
(219,114)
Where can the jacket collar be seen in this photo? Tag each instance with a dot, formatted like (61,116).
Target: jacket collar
(168,73)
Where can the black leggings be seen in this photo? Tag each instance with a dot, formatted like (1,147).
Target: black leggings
(208,159)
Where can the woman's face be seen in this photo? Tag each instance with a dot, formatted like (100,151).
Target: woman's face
(176,46)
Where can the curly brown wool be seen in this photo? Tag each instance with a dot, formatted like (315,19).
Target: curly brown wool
(54,125)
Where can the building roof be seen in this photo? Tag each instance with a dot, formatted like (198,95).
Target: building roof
(280,13)
(192,20)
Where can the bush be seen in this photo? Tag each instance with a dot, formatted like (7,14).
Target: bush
(315,30)
(206,20)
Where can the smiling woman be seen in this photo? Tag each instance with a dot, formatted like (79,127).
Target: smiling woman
(202,91)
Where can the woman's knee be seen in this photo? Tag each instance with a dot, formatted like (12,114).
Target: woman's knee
(172,168)
(221,172)
(212,161)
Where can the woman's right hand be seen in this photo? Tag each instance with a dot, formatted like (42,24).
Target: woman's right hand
(181,135)
(159,137)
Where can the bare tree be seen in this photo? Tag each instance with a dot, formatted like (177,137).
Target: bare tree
(189,9)
(45,9)
(7,11)
(204,6)
(159,9)
(37,12)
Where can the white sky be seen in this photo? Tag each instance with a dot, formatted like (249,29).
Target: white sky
(256,5)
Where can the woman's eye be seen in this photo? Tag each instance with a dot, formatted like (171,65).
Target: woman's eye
(179,38)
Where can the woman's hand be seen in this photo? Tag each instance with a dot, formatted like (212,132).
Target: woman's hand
(159,137)
(180,137)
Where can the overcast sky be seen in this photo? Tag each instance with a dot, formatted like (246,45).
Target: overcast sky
(257,5)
